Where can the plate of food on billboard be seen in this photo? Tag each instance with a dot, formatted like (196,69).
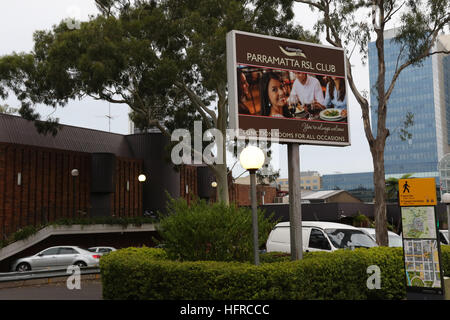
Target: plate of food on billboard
(295,87)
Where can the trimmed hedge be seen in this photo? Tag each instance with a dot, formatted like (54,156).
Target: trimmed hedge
(146,273)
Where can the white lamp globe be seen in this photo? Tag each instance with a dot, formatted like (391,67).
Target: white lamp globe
(445,198)
(75,173)
(142,178)
(214,184)
(252,158)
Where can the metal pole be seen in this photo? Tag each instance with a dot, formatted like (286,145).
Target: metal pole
(448,222)
(74,212)
(254,216)
(295,209)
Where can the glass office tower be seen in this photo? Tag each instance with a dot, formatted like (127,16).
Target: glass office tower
(423,91)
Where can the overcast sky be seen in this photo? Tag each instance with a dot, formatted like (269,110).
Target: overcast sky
(20,18)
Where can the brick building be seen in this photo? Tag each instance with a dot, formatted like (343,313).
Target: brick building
(37,185)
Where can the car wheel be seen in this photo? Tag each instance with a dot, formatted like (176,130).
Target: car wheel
(22,267)
(80,264)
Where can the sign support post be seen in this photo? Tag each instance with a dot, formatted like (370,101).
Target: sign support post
(295,209)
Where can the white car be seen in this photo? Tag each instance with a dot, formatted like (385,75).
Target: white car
(57,257)
(394,239)
(444,236)
(102,250)
(319,236)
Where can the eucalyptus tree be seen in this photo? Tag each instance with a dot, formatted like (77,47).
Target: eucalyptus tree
(351,24)
(165,60)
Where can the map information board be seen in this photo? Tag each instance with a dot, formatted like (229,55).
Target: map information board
(419,222)
(422,263)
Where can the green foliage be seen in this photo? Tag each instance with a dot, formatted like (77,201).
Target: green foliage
(392,186)
(164,59)
(361,221)
(24,233)
(205,231)
(137,274)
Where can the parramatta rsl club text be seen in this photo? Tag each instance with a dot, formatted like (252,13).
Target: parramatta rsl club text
(194,311)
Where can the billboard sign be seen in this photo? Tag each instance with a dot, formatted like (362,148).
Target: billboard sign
(298,88)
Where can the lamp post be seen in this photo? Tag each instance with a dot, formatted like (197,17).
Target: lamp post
(446,199)
(75,173)
(213,197)
(251,159)
(141,178)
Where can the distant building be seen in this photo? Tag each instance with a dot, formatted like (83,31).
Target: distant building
(323,196)
(309,180)
(424,91)
(360,185)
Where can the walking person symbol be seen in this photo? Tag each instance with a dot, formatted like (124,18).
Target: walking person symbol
(405,187)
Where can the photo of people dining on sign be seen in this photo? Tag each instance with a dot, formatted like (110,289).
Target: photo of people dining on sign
(289,94)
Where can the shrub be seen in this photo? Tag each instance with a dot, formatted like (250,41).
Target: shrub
(205,231)
(146,274)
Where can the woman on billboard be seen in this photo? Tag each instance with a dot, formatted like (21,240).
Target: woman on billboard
(273,93)
(246,104)
(335,96)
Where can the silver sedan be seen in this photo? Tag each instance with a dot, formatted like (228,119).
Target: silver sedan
(55,257)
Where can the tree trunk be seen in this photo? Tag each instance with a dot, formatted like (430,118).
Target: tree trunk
(222,183)
(380,195)
(222,169)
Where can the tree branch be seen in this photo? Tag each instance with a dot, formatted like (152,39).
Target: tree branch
(198,104)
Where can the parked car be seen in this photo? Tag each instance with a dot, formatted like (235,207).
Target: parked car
(394,239)
(319,236)
(53,257)
(102,250)
(444,236)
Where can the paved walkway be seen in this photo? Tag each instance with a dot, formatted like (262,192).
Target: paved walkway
(90,290)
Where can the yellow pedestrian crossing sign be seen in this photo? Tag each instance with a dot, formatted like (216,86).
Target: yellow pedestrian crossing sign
(417,192)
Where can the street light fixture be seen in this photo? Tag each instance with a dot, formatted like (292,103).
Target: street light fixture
(251,159)
(142,178)
(214,184)
(75,173)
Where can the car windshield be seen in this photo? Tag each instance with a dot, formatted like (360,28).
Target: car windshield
(395,241)
(348,238)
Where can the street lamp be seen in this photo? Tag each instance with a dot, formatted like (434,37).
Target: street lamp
(75,173)
(446,199)
(251,159)
(141,178)
(214,184)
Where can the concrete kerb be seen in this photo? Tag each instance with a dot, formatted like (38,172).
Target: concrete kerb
(46,281)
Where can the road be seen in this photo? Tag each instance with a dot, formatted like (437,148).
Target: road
(90,290)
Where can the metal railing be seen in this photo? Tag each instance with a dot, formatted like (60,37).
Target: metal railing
(47,273)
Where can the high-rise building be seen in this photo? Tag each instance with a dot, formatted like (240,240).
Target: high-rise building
(422,90)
